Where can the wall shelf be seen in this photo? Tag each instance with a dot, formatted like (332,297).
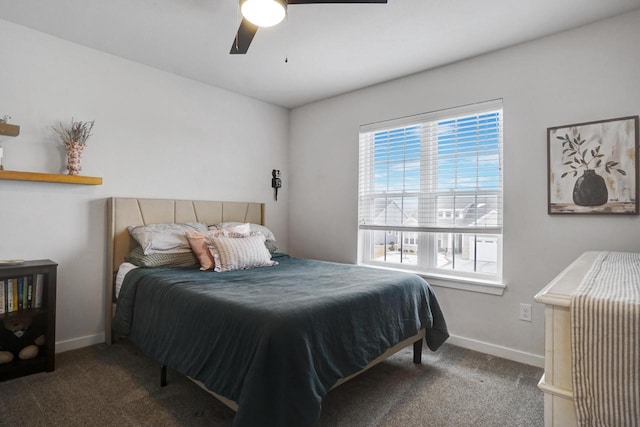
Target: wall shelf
(50,177)
(9,129)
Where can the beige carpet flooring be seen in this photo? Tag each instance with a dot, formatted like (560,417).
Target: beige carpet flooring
(119,386)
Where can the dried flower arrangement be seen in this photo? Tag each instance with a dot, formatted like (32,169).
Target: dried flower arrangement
(75,132)
(74,137)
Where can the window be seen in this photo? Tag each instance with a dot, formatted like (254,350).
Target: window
(430,193)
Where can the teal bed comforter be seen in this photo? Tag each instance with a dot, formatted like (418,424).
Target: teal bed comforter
(274,339)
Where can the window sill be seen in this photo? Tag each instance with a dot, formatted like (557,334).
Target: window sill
(454,282)
(465,284)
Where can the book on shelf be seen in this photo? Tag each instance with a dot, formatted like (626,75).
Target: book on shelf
(3,297)
(9,295)
(29,292)
(38,291)
(21,293)
(20,281)
(13,284)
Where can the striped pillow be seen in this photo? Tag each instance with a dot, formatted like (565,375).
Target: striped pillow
(183,259)
(240,253)
(270,241)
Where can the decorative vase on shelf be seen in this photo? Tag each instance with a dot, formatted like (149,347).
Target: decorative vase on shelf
(590,189)
(74,156)
(74,137)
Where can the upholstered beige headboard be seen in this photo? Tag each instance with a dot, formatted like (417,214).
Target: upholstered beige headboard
(123,212)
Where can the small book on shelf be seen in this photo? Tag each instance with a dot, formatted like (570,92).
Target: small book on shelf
(28,298)
(9,295)
(39,288)
(14,287)
(20,281)
(3,297)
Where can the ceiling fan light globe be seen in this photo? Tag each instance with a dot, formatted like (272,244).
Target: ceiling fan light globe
(263,13)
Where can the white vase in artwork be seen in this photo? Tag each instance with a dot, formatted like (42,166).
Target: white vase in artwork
(74,156)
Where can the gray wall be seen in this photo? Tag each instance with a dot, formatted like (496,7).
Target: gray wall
(586,74)
(156,135)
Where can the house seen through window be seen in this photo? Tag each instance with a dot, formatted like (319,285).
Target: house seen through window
(430,192)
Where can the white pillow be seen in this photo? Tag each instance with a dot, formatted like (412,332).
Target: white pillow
(268,234)
(164,238)
(237,229)
(240,253)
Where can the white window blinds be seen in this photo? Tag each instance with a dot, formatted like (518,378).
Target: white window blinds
(435,172)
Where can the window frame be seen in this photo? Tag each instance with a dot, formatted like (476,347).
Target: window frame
(427,236)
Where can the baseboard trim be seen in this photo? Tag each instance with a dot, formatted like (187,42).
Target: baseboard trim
(471,344)
(499,351)
(75,343)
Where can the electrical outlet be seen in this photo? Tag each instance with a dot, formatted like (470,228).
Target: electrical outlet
(525,312)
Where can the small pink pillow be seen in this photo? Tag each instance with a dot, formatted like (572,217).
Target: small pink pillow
(199,247)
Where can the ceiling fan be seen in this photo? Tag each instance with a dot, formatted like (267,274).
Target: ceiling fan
(266,13)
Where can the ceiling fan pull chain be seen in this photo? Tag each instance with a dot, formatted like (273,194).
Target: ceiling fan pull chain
(237,25)
(286,37)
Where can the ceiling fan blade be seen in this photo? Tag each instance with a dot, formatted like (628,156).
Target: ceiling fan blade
(247,30)
(245,34)
(334,1)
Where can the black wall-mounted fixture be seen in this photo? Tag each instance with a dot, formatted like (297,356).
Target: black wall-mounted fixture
(276,182)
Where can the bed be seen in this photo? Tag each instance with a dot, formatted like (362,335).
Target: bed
(268,342)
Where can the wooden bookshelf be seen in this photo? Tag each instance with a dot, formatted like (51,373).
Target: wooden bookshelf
(42,316)
(50,177)
(9,129)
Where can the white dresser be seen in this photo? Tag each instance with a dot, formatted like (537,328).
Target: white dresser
(559,409)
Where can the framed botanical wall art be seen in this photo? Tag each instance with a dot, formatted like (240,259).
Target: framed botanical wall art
(592,167)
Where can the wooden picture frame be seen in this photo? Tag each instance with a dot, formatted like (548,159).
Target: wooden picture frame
(592,167)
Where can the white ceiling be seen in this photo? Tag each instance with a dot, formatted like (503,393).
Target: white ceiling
(332,48)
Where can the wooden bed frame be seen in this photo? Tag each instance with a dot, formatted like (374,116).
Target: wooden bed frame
(123,212)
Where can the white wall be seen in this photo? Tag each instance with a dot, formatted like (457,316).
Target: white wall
(587,74)
(156,135)
(159,135)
